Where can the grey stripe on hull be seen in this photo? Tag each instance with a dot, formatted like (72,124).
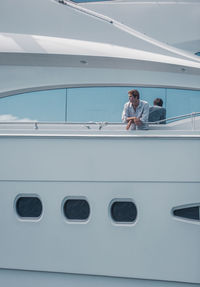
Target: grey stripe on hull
(24,278)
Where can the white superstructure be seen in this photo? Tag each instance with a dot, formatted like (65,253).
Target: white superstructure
(104,205)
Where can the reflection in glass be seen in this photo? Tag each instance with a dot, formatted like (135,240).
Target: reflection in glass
(36,106)
(180,102)
(104,104)
(91,104)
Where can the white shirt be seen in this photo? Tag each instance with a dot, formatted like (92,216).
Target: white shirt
(141,112)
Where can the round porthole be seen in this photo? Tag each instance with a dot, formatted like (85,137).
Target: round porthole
(76,209)
(123,211)
(29,206)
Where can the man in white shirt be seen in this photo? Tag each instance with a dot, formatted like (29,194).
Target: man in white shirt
(135,112)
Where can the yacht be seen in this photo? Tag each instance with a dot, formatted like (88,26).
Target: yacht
(84,201)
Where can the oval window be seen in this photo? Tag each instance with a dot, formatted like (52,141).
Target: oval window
(76,209)
(29,206)
(123,211)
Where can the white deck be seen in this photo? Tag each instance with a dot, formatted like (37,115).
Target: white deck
(183,126)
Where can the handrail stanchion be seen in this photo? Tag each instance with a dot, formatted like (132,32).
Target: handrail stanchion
(193,122)
(36,126)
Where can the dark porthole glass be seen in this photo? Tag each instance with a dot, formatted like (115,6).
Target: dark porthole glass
(29,207)
(76,209)
(188,213)
(123,211)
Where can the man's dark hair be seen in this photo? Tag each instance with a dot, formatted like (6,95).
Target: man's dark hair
(134,93)
(158,102)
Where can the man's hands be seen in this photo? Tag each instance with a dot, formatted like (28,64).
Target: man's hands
(129,124)
(133,120)
(137,121)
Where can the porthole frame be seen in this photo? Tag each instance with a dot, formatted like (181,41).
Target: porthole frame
(75,221)
(121,223)
(27,219)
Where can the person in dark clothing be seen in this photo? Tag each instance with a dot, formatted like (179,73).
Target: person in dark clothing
(157,112)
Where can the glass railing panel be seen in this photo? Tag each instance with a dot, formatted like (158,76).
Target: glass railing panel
(91,104)
(96,104)
(35,106)
(104,103)
(180,102)
(150,94)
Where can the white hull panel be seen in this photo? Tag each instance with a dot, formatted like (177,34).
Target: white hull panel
(157,246)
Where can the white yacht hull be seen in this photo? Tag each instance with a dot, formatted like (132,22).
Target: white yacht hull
(156,172)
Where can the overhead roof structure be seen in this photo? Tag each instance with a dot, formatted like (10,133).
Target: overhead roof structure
(52,43)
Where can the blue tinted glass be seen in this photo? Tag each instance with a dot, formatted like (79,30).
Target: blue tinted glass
(180,102)
(38,106)
(150,94)
(198,53)
(104,103)
(92,104)
(96,104)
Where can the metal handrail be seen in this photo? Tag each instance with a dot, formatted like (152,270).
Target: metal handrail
(191,115)
(100,124)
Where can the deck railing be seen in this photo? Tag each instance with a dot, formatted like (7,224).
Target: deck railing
(101,125)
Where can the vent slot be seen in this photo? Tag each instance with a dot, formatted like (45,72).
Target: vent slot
(191,212)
